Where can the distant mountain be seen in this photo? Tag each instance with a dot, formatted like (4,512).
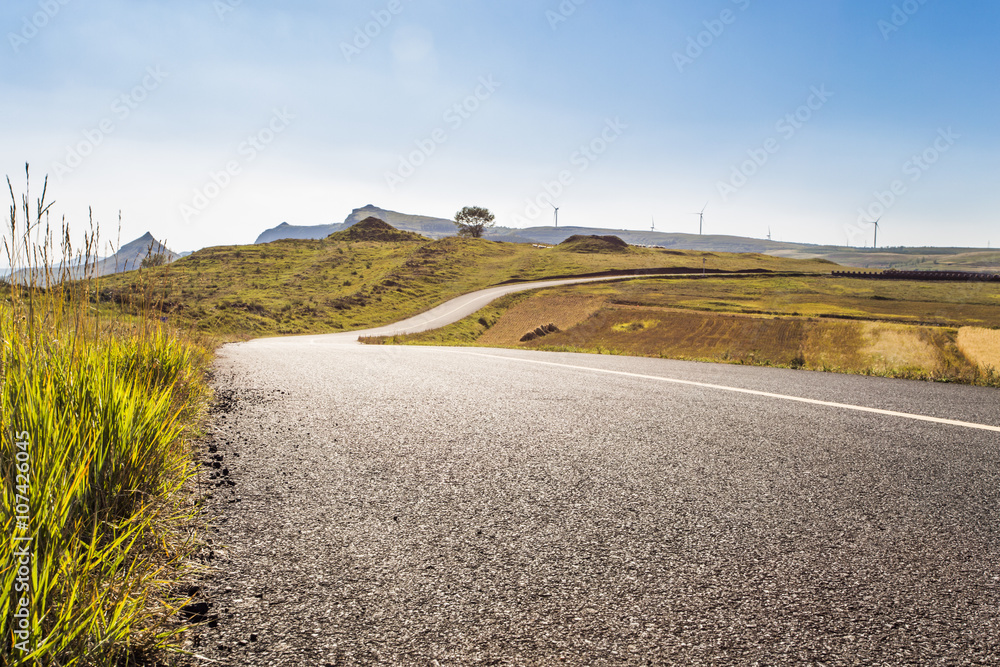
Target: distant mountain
(433,228)
(287,231)
(436,228)
(427,226)
(707,243)
(882,258)
(967,259)
(128,258)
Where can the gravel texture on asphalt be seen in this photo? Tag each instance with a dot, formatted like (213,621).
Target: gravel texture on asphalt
(428,506)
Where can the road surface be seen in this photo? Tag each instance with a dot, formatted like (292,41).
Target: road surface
(409,505)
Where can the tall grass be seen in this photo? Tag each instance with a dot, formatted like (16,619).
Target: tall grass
(95,417)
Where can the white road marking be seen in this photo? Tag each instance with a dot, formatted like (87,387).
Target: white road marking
(753,392)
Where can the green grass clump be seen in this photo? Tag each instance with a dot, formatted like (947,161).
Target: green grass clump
(95,418)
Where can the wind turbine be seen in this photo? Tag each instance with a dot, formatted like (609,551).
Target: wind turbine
(875,246)
(652,226)
(768,233)
(557,213)
(701,218)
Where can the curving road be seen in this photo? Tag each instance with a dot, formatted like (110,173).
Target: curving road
(409,505)
(455,309)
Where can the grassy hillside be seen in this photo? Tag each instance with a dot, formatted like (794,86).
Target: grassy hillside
(335,284)
(943,331)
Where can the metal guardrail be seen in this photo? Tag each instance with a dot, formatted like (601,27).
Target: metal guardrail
(892,274)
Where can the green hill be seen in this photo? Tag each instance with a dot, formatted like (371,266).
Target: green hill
(593,244)
(373,229)
(353,280)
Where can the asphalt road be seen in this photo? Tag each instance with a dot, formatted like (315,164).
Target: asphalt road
(407,505)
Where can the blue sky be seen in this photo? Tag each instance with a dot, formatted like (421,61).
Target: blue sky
(208,121)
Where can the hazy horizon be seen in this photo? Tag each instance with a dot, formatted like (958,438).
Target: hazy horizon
(208,121)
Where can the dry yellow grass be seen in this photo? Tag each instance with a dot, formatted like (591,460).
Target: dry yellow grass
(981,346)
(834,344)
(891,346)
(942,304)
(774,303)
(562,311)
(851,346)
(682,333)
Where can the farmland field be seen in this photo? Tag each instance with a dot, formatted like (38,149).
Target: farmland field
(562,311)
(943,331)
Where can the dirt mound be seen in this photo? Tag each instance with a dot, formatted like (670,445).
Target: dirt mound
(579,243)
(540,332)
(373,229)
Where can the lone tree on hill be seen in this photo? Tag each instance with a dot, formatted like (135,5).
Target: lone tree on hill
(473,221)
